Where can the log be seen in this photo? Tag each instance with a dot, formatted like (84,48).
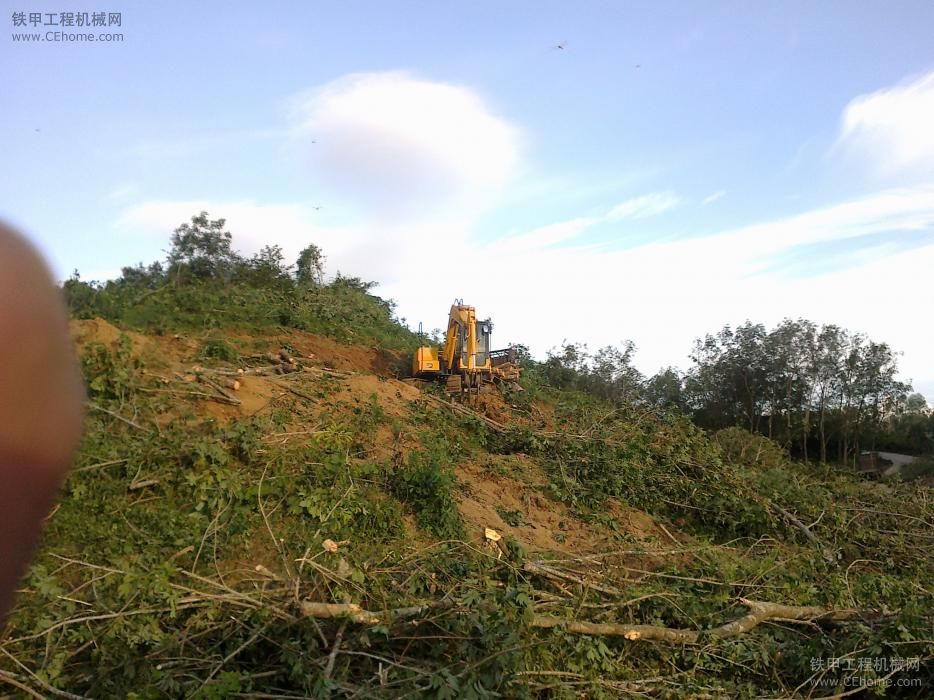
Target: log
(759,612)
(359,615)
(218,388)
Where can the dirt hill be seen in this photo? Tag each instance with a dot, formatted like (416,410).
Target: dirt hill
(494,488)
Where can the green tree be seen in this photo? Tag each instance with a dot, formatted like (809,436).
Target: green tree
(266,269)
(916,403)
(776,382)
(728,383)
(823,365)
(611,373)
(201,250)
(309,268)
(665,389)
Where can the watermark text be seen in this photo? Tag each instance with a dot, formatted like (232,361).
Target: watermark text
(66,27)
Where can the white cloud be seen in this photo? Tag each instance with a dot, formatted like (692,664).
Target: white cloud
(400,249)
(644,206)
(548,235)
(891,211)
(710,199)
(662,295)
(394,144)
(383,254)
(892,128)
(551,234)
(121,192)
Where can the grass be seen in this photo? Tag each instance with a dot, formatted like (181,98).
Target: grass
(346,312)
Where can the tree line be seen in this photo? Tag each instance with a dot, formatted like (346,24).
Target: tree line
(821,391)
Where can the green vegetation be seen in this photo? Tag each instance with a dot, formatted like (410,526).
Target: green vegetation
(192,550)
(427,484)
(219,349)
(510,517)
(204,284)
(822,392)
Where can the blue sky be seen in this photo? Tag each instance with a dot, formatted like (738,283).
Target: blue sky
(675,167)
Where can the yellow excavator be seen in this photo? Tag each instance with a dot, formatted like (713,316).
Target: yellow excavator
(465,361)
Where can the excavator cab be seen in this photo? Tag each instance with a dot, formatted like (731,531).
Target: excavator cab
(482,354)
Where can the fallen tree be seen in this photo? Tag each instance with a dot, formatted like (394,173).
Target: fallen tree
(759,612)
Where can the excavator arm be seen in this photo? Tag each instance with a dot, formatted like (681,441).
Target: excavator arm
(461,339)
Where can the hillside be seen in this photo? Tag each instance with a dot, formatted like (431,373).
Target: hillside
(322,531)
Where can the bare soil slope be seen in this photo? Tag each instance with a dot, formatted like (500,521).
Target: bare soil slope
(505,493)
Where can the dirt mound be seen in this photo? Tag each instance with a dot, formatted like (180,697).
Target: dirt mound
(506,497)
(153,350)
(541,525)
(255,394)
(97,330)
(493,406)
(392,395)
(355,358)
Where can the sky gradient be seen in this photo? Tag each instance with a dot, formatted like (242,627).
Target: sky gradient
(673,168)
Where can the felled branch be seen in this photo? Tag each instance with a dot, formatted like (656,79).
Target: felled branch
(759,612)
(194,394)
(551,572)
(361,616)
(137,485)
(132,424)
(463,410)
(794,520)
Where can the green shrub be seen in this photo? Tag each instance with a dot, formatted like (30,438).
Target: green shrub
(219,349)
(111,373)
(427,486)
(512,441)
(920,468)
(749,450)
